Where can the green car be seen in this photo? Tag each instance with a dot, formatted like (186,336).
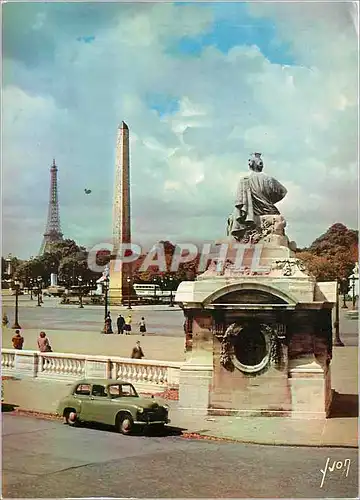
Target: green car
(111,402)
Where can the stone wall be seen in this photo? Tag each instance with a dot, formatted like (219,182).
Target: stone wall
(242,394)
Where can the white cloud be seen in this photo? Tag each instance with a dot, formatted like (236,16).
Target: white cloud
(184,166)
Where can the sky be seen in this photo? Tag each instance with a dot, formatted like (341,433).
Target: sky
(201,87)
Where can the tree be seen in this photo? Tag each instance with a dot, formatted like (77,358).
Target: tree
(333,255)
(336,238)
(65,258)
(65,248)
(71,268)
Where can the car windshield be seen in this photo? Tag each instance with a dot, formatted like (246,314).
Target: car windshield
(122,390)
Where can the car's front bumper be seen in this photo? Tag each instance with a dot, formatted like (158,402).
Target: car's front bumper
(153,422)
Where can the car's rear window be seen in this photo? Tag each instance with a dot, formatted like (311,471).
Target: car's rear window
(83,390)
(121,390)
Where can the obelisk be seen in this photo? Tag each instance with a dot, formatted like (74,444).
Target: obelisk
(120,273)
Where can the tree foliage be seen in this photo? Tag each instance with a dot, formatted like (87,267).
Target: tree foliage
(333,255)
(65,258)
(168,278)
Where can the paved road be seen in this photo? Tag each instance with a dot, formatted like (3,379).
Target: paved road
(161,320)
(47,459)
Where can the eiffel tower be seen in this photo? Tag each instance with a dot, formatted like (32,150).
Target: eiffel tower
(53,232)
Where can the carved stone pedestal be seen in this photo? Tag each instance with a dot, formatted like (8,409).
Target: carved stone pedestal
(260,344)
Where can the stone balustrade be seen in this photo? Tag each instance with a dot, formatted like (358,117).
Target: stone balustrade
(8,360)
(146,375)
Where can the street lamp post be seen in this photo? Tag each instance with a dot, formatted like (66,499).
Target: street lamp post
(155,281)
(31,289)
(344,287)
(337,341)
(80,292)
(171,293)
(106,288)
(353,279)
(16,325)
(129,298)
(39,291)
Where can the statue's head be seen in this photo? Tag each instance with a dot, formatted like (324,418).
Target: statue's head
(256,163)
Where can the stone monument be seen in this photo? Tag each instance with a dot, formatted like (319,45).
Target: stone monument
(121,273)
(261,335)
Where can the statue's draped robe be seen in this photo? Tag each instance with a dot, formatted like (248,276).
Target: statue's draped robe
(256,195)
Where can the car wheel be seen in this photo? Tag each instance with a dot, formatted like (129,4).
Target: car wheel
(71,418)
(125,424)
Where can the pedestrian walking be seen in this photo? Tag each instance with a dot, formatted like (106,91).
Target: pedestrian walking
(120,324)
(127,326)
(137,352)
(43,343)
(108,324)
(17,340)
(142,326)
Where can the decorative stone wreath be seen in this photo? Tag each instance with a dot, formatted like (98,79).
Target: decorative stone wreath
(273,354)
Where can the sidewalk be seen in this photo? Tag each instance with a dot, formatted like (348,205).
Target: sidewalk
(340,431)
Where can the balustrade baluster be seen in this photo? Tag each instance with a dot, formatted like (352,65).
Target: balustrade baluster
(156,374)
(131,373)
(144,373)
(120,371)
(72,367)
(138,373)
(45,363)
(126,372)
(151,374)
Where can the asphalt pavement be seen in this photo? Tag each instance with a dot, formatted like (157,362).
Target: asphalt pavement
(160,319)
(47,459)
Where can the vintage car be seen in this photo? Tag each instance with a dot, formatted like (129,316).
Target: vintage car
(111,402)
